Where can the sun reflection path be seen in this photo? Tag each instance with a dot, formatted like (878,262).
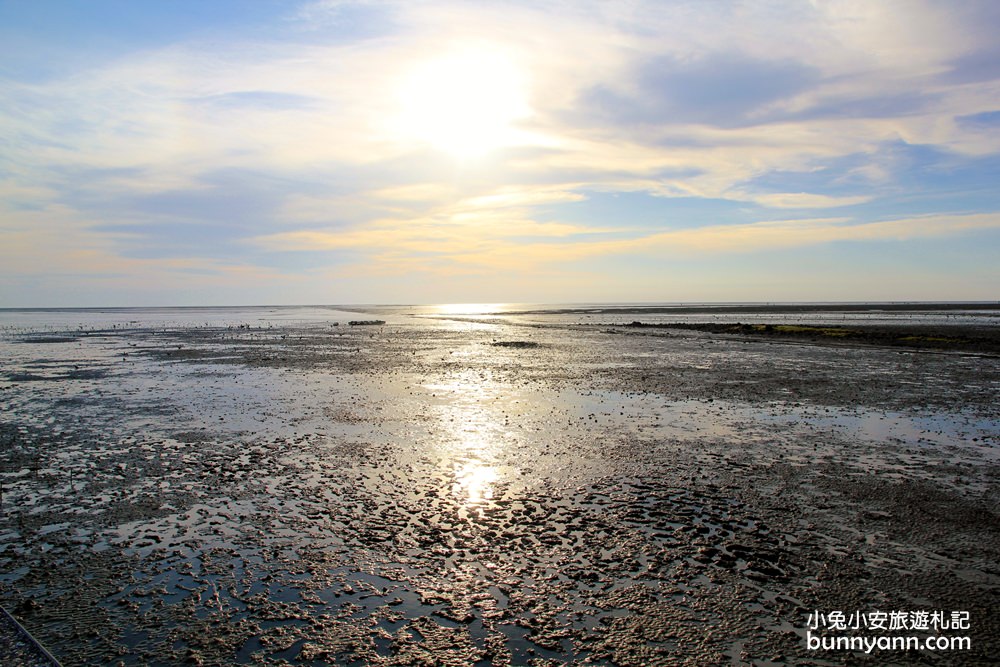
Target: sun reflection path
(469,308)
(474,483)
(474,438)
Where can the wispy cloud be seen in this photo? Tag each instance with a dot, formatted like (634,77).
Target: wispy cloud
(808,200)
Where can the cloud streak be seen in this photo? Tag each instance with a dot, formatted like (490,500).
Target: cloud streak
(523,244)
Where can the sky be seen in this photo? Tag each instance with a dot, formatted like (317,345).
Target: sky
(241,152)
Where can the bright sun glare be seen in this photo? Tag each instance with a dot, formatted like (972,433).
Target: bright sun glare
(465,103)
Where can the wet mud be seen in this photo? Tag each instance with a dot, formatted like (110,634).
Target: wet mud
(449,492)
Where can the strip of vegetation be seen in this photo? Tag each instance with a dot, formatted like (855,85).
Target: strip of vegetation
(865,335)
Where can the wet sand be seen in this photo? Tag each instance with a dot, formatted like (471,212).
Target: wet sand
(490,492)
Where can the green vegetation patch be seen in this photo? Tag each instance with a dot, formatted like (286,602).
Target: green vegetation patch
(930,340)
(979,343)
(836,332)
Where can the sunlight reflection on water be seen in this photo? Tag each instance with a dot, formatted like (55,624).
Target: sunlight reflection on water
(472,419)
(474,483)
(468,308)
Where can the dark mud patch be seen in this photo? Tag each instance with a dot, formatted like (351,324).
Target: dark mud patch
(60,374)
(27,377)
(517,344)
(684,365)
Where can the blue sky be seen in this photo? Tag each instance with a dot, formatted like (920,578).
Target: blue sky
(199,153)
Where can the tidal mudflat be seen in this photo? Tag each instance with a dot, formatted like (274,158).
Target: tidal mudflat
(252,488)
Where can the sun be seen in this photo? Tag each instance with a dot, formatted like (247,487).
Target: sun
(466,102)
